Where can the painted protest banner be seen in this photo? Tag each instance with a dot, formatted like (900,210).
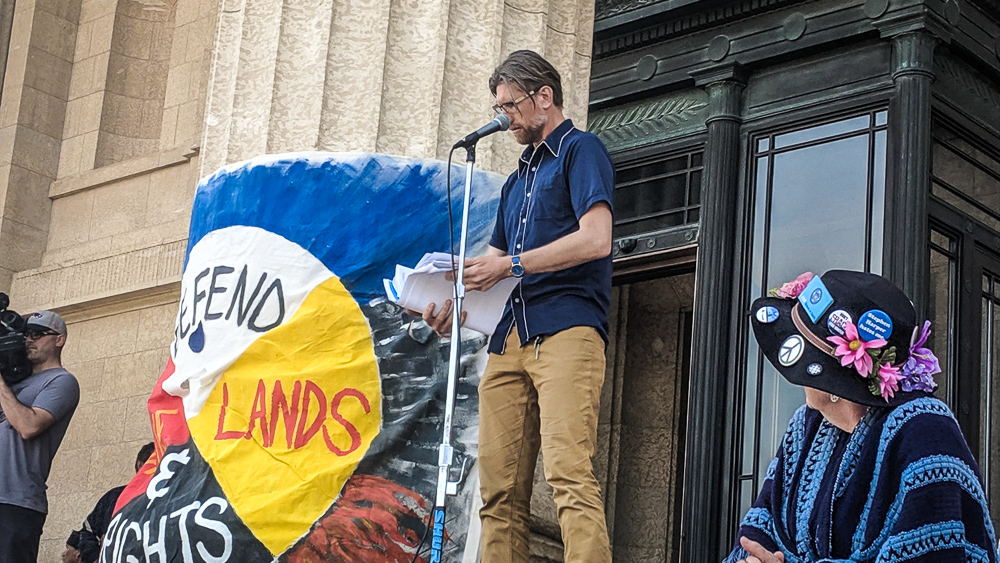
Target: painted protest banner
(299,414)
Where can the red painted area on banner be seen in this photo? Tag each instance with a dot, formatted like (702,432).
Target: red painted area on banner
(303,416)
(374,515)
(166,416)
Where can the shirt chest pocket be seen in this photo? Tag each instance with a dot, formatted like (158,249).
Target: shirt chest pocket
(551,199)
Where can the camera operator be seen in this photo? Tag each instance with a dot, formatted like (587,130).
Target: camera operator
(36,413)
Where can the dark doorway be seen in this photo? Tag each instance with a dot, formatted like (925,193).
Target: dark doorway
(651,354)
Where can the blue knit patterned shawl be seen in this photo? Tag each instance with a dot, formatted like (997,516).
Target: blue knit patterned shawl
(902,487)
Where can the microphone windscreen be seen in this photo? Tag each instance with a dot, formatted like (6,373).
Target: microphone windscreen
(504,122)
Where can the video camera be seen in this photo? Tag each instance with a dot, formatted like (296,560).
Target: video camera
(14,365)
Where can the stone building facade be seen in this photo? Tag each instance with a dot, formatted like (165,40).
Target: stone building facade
(728,121)
(111,110)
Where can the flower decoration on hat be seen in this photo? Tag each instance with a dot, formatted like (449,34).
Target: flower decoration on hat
(854,350)
(869,359)
(922,365)
(792,289)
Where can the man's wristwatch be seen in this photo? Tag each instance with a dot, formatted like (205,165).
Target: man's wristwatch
(516,269)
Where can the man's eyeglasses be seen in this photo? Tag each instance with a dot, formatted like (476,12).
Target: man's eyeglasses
(509,107)
(35,335)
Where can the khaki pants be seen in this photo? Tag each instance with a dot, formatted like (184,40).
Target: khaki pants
(551,401)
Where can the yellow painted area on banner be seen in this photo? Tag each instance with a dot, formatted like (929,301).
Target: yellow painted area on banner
(288,422)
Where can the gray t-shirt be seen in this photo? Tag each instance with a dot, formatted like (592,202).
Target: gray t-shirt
(25,464)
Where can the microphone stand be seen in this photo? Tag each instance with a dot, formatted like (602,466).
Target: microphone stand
(446,487)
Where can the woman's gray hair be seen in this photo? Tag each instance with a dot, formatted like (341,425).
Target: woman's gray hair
(529,72)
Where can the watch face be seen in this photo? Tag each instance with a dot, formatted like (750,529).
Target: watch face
(516,269)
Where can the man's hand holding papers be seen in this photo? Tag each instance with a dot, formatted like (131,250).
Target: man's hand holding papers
(429,283)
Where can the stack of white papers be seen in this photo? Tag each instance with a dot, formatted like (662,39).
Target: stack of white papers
(415,288)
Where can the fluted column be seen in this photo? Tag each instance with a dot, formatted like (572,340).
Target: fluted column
(222,81)
(354,76)
(404,77)
(254,86)
(469,61)
(414,66)
(299,76)
(910,126)
(706,482)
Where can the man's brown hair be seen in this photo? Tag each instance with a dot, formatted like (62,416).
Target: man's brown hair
(529,72)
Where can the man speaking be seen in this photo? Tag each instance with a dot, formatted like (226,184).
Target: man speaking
(542,385)
(36,413)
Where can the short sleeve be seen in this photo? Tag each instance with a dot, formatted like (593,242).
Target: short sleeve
(499,238)
(591,174)
(59,396)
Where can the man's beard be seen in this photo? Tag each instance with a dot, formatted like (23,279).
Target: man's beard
(532,134)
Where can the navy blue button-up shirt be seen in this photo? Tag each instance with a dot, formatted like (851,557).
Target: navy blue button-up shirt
(554,185)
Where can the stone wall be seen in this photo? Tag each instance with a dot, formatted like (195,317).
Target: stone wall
(112,109)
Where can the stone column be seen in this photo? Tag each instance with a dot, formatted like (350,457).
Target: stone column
(404,77)
(915,33)
(711,383)
(910,155)
(6,20)
(254,86)
(32,112)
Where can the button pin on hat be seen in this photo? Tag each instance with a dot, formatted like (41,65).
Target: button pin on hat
(815,299)
(791,350)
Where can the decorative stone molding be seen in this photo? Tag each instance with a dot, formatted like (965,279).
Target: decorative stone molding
(70,286)
(649,121)
(915,19)
(963,76)
(608,8)
(120,171)
(688,23)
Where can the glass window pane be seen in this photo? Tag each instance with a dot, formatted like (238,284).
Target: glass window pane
(967,178)
(656,195)
(754,360)
(941,240)
(881,118)
(984,368)
(815,225)
(816,133)
(763,145)
(759,228)
(991,380)
(747,495)
(961,202)
(878,202)
(694,197)
(650,225)
(940,312)
(817,197)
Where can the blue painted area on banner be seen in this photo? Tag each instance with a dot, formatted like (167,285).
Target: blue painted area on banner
(360,214)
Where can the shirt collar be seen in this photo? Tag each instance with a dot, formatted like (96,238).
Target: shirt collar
(553,142)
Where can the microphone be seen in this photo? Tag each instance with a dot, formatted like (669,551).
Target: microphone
(500,123)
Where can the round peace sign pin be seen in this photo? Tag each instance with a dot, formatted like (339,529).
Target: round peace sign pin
(791,350)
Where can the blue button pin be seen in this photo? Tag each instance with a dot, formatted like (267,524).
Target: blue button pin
(767,314)
(874,325)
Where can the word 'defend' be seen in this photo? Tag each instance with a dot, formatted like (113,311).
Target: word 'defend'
(303,415)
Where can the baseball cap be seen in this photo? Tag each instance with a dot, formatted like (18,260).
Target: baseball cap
(46,320)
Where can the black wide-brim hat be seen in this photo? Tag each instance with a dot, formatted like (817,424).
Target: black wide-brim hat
(858,297)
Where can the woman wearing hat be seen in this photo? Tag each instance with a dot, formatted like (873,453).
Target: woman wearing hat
(872,468)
